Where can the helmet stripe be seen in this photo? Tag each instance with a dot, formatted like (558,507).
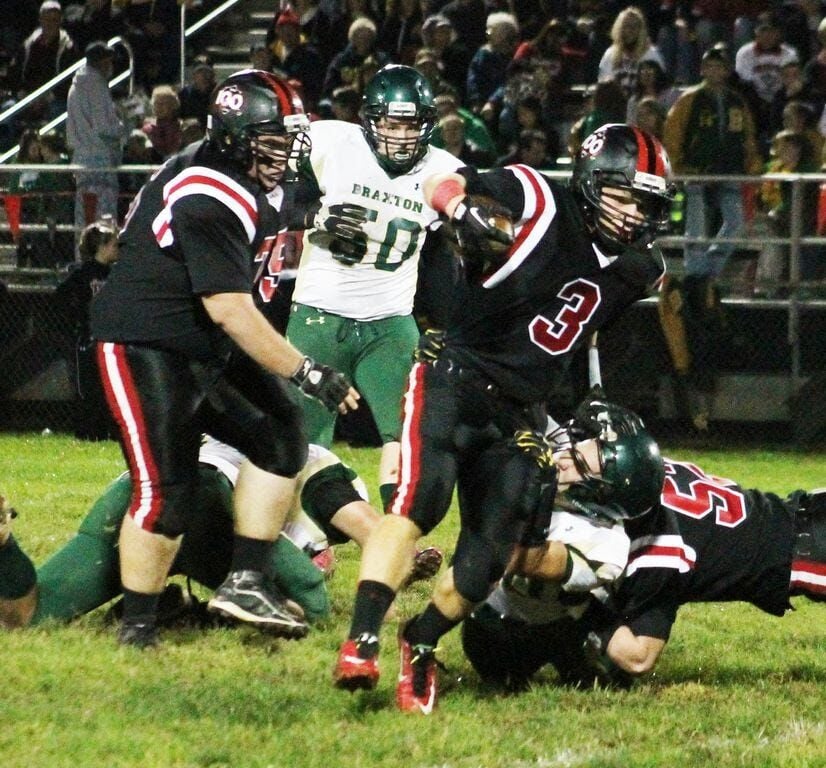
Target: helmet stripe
(649,154)
(287,99)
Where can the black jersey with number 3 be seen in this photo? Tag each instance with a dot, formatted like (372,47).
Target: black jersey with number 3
(556,286)
(709,540)
(192,230)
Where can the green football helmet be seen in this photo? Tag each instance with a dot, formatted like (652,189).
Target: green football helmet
(632,474)
(404,94)
(250,103)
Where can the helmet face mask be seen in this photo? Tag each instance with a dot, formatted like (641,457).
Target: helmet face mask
(622,178)
(398,117)
(248,107)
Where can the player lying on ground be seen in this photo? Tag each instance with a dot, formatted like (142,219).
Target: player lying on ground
(329,504)
(707,540)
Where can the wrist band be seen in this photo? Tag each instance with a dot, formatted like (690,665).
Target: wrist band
(302,371)
(444,193)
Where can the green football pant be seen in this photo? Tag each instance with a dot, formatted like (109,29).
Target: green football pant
(376,356)
(85,574)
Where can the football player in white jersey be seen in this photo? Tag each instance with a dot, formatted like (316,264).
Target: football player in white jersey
(353,298)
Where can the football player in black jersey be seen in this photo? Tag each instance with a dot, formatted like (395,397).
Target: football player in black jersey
(577,256)
(182,349)
(707,540)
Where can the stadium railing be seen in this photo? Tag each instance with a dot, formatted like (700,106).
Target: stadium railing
(778,343)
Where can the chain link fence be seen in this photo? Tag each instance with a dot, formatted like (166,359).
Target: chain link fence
(741,356)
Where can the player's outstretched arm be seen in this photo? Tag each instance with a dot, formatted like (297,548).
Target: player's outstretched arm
(237,316)
(636,654)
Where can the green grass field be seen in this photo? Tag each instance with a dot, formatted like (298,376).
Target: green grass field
(735,687)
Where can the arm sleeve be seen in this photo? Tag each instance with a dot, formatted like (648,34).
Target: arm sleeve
(656,622)
(500,184)
(648,600)
(438,276)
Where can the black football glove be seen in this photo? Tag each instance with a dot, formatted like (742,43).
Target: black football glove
(483,228)
(341,227)
(321,382)
(535,445)
(430,346)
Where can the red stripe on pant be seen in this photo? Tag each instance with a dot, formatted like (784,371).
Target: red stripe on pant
(125,406)
(411,443)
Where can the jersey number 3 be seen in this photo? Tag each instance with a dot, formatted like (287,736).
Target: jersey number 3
(580,299)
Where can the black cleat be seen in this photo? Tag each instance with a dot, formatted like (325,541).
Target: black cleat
(139,634)
(244,598)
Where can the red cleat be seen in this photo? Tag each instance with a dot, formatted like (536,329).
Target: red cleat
(426,565)
(356,670)
(416,690)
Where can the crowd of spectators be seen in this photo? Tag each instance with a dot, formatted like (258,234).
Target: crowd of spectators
(523,80)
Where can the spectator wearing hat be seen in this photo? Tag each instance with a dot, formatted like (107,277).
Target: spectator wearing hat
(94,133)
(194,96)
(361,50)
(711,130)
(45,53)
(453,56)
(298,58)
(761,61)
(319,28)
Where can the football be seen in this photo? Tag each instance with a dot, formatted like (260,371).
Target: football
(498,218)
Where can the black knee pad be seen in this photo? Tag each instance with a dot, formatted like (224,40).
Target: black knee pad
(477,564)
(325,493)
